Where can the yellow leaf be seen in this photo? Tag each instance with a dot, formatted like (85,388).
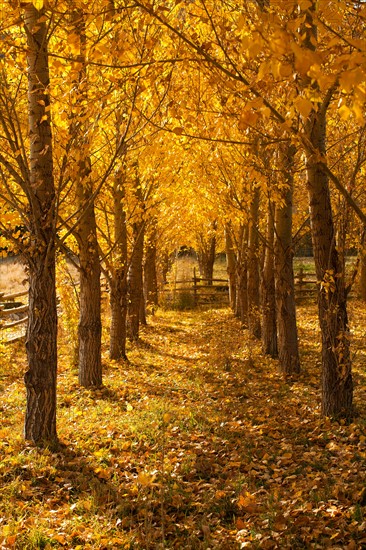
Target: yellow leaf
(129,407)
(285,70)
(240,524)
(102,473)
(305,4)
(145,479)
(60,538)
(254,49)
(248,118)
(287,456)
(304,106)
(351,78)
(248,503)
(241,22)
(304,58)
(11,540)
(344,112)
(167,417)
(38,4)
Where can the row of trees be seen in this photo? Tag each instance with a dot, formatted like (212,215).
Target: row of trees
(128,128)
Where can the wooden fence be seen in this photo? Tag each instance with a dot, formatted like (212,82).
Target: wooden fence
(305,284)
(196,291)
(184,294)
(13,316)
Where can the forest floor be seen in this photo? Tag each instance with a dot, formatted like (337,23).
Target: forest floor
(195,443)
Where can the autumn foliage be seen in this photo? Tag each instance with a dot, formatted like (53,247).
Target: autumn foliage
(132,133)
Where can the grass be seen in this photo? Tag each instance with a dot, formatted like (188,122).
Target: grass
(183,269)
(196,442)
(13,277)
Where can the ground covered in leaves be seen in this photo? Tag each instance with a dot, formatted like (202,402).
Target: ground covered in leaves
(195,443)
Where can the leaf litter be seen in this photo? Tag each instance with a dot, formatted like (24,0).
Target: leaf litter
(196,442)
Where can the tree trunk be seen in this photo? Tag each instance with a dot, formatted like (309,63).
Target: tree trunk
(164,265)
(342,230)
(41,339)
(337,385)
(284,275)
(90,326)
(135,270)
(143,320)
(135,282)
(230,266)
(362,281)
(207,253)
(150,275)
(118,305)
(254,323)
(269,324)
(241,306)
(118,279)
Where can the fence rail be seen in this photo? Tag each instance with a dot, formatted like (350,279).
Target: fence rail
(196,291)
(187,293)
(306,284)
(13,329)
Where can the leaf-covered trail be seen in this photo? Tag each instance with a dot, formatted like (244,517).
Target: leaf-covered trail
(195,443)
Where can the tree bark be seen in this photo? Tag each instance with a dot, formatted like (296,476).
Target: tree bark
(135,271)
(254,323)
(269,322)
(284,275)
(90,326)
(241,306)
(337,385)
(143,319)
(118,279)
(150,274)
(230,266)
(206,254)
(135,282)
(362,281)
(41,338)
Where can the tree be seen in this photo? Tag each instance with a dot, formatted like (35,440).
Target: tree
(288,350)
(268,291)
(337,386)
(135,271)
(85,232)
(207,252)
(30,189)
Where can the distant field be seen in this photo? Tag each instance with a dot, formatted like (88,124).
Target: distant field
(183,269)
(13,277)
(308,266)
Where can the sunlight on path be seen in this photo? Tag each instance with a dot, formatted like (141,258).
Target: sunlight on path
(196,442)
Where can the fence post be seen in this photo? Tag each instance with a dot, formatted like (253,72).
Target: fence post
(300,278)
